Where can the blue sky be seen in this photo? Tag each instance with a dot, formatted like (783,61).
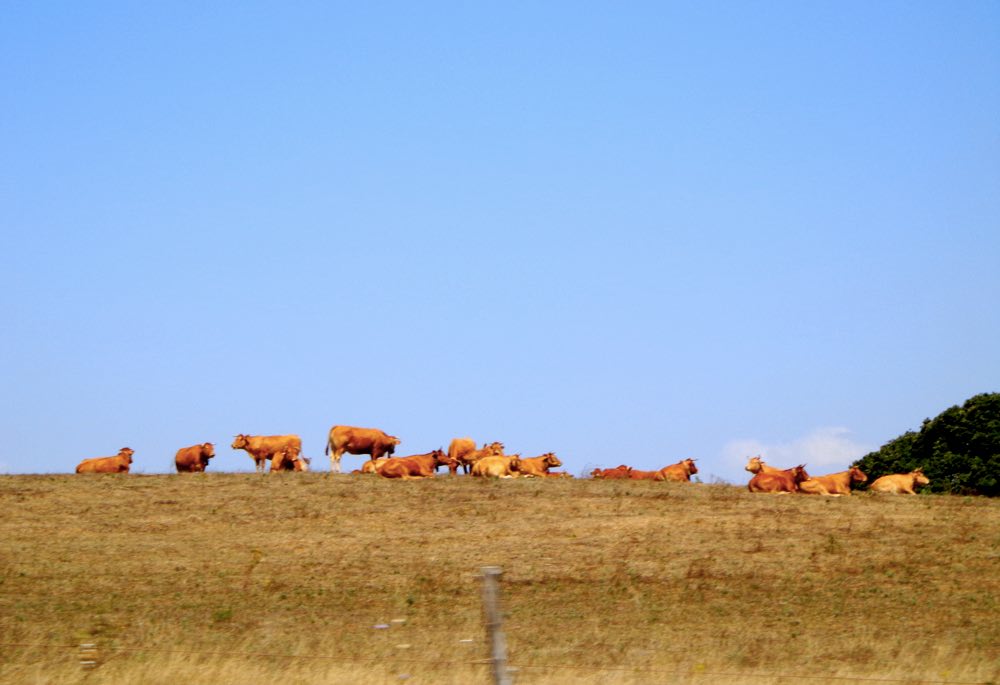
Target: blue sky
(623,232)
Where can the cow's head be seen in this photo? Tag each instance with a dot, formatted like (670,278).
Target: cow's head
(369,467)
(754,465)
(597,473)
(208,450)
(689,465)
(515,463)
(391,447)
(857,475)
(442,459)
(126,452)
(799,473)
(919,478)
(302,463)
(494,449)
(240,442)
(552,461)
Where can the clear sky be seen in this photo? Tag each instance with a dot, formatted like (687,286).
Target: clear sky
(624,232)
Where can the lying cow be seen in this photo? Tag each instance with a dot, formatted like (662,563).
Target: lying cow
(262,448)
(120,463)
(636,474)
(353,440)
(782,482)
(194,459)
(834,484)
(373,466)
(538,466)
(620,472)
(679,472)
(900,483)
(289,459)
(497,467)
(415,466)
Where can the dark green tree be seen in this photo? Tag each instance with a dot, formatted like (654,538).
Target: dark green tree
(959,450)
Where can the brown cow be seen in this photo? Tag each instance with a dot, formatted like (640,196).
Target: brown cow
(636,474)
(496,466)
(898,483)
(120,463)
(679,472)
(289,459)
(414,466)
(194,459)
(619,472)
(371,466)
(262,448)
(353,440)
(457,451)
(834,484)
(538,466)
(782,482)
(465,454)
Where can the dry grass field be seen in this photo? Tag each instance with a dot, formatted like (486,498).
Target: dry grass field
(240,578)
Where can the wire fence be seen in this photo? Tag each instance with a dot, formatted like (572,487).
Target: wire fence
(96,653)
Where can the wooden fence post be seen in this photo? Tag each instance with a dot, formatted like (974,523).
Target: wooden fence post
(494,625)
(88,655)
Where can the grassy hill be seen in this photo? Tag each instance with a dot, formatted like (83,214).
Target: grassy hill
(239,578)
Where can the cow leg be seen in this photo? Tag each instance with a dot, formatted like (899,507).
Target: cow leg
(335,456)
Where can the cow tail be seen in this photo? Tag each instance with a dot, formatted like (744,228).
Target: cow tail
(326,450)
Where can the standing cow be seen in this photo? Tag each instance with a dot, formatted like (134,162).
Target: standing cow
(194,459)
(463,452)
(262,448)
(458,450)
(120,463)
(354,440)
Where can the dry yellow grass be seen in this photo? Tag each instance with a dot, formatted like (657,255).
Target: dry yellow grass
(240,578)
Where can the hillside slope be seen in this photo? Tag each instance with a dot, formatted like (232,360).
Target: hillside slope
(233,578)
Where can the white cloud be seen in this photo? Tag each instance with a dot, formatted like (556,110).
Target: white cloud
(824,450)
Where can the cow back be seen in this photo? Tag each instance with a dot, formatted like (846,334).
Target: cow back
(460,448)
(354,440)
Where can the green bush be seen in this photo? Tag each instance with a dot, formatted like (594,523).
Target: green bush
(959,450)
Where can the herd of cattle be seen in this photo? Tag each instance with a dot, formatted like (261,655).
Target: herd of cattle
(284,453)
